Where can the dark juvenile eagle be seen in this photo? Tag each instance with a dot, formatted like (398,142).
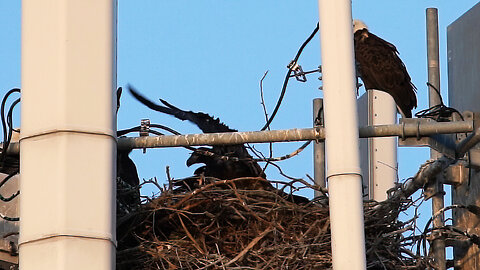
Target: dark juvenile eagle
(128,194)
(380,68)
(221,161)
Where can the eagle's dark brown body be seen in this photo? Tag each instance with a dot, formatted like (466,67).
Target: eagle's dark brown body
(380,68)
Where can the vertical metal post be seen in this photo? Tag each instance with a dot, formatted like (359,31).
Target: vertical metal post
(438,244)
(341,135)
(318,147)
(68,135)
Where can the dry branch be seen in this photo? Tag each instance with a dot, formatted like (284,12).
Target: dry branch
(227,225)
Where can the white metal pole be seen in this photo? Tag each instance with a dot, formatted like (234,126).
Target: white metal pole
(382,151)
(341,137)
(68,134)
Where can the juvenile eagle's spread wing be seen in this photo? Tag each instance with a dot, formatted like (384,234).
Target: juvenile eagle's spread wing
(380,67)
(221,161)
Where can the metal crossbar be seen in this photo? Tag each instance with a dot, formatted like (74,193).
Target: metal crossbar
(404,130)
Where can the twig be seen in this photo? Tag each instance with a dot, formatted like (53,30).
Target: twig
(249,246)
(270,145)
(294,153)
(195,244)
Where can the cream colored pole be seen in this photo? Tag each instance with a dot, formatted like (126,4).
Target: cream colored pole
(341,137)
(67,139)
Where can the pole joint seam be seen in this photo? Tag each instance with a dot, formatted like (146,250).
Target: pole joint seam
(109,239)
(74,131)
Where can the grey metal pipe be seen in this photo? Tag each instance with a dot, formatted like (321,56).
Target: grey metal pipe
(401,130)
(433,56)
(438,244)
(318,147)
(221,138)
(289,135)
(469,142)
(415,129)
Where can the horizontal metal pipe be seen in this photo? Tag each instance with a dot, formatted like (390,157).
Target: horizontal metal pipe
(289,135)
(401,130)
(416,129)
(222,138)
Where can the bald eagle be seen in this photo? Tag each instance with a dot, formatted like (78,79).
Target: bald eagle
(380,68)
(128,193)
(221,161)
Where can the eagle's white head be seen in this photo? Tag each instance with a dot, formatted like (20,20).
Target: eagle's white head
(358,25)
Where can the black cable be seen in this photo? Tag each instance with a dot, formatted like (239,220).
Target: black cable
(10,218)
(137,128)
(287,77)
(6,139)
(10,176)
(10,114)
(11,197)
(440,112)
(2,110)
(6,142)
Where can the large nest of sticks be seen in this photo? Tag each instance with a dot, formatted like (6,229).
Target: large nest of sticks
(227,225)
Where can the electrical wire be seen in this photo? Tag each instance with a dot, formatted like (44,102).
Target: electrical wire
(439,112)
(6,139)
(442,113)
(287,77)
(6,142)
(7,132)
(137,128)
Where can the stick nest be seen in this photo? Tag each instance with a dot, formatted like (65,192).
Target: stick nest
(224,224)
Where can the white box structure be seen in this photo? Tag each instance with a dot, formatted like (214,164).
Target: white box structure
(378,155)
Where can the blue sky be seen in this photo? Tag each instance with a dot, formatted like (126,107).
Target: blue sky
(210,56)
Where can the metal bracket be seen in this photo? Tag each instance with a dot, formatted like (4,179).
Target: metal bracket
(320,78)
(452,145)
(297,71)
(455,175)
(144,127)
(469,143)
(443,143)
(144,130)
